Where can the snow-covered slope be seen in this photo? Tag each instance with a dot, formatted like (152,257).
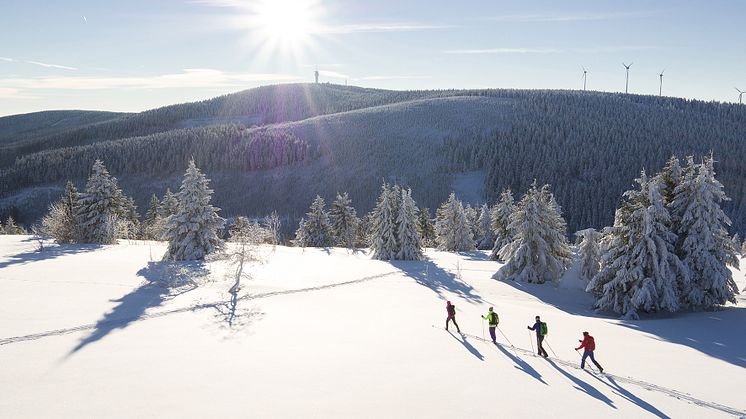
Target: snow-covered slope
(93,332)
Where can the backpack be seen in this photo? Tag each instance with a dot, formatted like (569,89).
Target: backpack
(543,329)
(451,309)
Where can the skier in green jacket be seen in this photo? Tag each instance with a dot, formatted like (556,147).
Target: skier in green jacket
(493,320)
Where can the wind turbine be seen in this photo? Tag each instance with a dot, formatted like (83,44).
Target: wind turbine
(585,76)
(740,95)
(660,89)
(626,84)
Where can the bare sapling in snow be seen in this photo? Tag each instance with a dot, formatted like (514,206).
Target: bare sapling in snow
(273,224)
(703,243)
(410,246)
(589,252)
(539,251)
(500,215)
(640,270)
(452,227)
(100,207)
(193,232)
(344,221)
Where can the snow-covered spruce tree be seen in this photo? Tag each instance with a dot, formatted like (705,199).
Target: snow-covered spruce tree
(318,230)
(589,252)
(500,215)
(301,235)
(472,217)
(640,270)
(362,232)
(485,237)
(410,246)
(169,204)
(60,222)
(704,245)
(669,178)
(12,228)
(152,224)
(100,207)
(247,231)
(737,244)
(384,244)
(452,227)
(539,251)
(425,227)
(343,220)
(129,223)
(193,232)
(558,245)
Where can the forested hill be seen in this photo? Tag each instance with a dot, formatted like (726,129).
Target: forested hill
(275,147)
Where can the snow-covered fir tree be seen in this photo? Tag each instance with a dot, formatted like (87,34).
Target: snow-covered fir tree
(129,223)
(384,244)
(169,204)
(193,232)
(668,178)
(318,231)
(500,215)
(301,235)
(640,271)
(539,251)
(247,231)
(485,237)
(12,228)
(589,253)
(704,245)
(472,217)
(343,219)
(152,224)
(362,232)
(60,222)
(410,246)
(737,244)
(425,227)
(100,207)
(452,227)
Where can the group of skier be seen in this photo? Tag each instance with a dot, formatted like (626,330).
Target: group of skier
(588,344)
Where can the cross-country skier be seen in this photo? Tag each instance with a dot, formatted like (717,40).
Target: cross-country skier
(451,310)
(493,321)
(540,333)
(590,345)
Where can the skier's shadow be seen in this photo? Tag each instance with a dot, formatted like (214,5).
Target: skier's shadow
(521,364)
(474,351)
(631,397)
(583,386)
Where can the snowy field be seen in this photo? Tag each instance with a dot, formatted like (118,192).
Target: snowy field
(92,331)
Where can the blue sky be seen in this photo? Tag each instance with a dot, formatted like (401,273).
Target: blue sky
(141,54)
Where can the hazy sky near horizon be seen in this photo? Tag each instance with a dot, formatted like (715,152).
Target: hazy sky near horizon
(141,54)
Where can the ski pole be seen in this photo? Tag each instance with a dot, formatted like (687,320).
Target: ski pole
(581,361)
(531,340)
(506,338)
(483,338)
(550,347)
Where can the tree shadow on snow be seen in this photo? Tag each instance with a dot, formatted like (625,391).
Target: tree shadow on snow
(163,281)
(582,385)
(474,351)
(521,364)
(572,301)
(429,274)
(49,252)
(719,334)
(626,394)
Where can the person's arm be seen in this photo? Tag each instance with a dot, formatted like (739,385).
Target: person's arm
(532,327)
(582,344)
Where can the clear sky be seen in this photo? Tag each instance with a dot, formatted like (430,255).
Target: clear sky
(140,54)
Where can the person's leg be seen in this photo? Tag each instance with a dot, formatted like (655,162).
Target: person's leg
(456,324)
(542,351)
(492,335)
(594,361)
(582,362)
(448,319)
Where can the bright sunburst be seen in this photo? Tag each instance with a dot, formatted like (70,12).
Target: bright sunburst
(286,23)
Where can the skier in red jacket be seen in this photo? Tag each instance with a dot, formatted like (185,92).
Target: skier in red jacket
(590,345)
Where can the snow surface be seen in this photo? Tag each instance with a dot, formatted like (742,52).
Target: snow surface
(90,331)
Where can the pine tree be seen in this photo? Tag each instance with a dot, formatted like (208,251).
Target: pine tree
(301,234)
(100,207)
(343,220)
(452,227)
(472,218)
(384,244)
(704,244)
(485,237)
(193,232)
(640,269)
(362,232)
(169,204)
(318,230)
(12,228)
(425,227)
(500,215)
(669,178)
(410,246)
(60,222)
(129,223)
(589,252)
(152,224)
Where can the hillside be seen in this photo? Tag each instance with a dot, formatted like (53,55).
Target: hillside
(275,147)
(106,331)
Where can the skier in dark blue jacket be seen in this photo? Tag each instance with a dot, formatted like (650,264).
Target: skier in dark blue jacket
(540,333)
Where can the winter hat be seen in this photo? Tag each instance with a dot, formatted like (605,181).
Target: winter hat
(585,333)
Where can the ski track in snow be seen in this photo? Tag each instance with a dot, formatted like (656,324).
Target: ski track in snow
(628,380)
(194,307)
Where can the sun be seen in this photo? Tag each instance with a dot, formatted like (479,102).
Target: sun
(285,23)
